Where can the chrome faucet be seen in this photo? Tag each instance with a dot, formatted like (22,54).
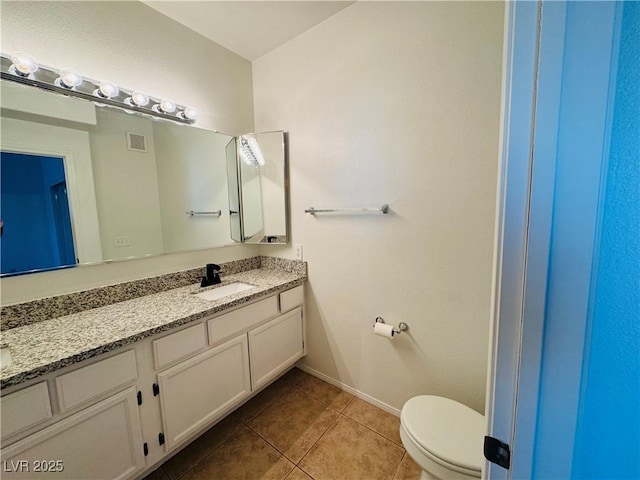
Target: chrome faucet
(213,277)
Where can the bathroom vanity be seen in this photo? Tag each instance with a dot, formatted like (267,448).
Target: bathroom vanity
(110,392)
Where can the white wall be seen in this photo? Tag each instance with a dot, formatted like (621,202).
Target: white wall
(192,175)
(126,184)
(136,47)
(393,102)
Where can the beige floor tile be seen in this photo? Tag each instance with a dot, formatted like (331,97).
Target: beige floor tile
(294,423)
(408,469)
(350,451)
(298,474)
(245,456)
(326,393)
(158,474)
(294,376)
(186,459)
(264,399)
(376,419)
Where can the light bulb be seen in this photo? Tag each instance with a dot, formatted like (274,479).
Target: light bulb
(250,151)
(137,99)
(23,64)
(255,149)
(140,98)
(167,106)
(189,113)
(69,78)
(107,89)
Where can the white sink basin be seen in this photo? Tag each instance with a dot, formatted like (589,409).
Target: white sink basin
(220,292)
(5,356)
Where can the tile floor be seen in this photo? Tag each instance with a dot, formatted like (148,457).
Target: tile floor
(298,428)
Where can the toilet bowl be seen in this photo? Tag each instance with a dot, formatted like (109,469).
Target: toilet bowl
(443,437)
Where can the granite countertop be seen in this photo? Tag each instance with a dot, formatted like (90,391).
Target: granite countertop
(46,346)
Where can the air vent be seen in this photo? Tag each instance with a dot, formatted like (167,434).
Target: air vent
(136,142)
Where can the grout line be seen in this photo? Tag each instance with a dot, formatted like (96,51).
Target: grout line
(374,430)
(395,474)
(316,442)
(166,475)
(192,466)
(328,405)
(305,454)
(343,386)
(344,410)
(289,384)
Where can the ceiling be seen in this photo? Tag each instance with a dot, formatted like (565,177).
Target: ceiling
(248,28)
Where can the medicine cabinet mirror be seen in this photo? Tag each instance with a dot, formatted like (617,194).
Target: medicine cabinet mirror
(83,184)
(257,173)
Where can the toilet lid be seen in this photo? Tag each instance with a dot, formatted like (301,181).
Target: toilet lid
(447,429)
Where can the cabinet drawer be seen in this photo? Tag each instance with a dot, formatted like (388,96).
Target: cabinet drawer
(179,346)
(89,382)
(25,408)
(227,325)
(291,298)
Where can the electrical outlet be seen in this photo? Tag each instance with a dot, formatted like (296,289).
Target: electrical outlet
(123,241)
(298,249)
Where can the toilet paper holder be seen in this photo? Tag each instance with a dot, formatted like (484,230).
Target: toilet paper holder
(402,326)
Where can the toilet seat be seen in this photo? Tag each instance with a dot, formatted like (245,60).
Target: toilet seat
(447,432)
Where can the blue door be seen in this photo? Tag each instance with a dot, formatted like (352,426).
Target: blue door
(37,230)
(565,387)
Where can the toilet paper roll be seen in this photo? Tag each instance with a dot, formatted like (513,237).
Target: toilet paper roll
(383,330)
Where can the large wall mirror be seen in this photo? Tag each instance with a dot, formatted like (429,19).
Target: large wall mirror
(83,184)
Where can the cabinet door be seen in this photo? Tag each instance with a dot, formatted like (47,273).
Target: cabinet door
(275,346)
(103,441)
(196,392)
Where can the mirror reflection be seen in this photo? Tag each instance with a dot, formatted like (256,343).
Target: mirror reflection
(35,202)
(261,185)
(85,185)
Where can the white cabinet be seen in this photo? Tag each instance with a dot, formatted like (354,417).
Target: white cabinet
(179,346)
(198,391)
(117,416)
(291,298)
(240,320)
(89,383)
(100,442)
(275,346)
(25,408)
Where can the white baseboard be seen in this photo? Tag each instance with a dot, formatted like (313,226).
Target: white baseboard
(351,390)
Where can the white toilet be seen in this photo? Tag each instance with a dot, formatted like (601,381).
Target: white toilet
(444,437)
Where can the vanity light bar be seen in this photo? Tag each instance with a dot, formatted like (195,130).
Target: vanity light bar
(22,68)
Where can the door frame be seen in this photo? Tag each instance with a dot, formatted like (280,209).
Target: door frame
(73,146)
(525,407)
